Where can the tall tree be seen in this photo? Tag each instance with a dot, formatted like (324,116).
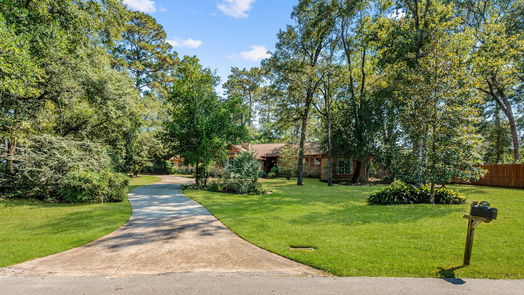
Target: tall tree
(246,84)
(60,39)
(201,125)
(497,57)
(438,106)
(295,61)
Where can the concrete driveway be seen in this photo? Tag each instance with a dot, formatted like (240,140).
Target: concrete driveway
(167,233)
(172,245)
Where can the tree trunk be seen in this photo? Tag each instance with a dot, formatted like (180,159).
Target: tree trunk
(499,149)
(356,172)
(364,172)
(330,156)
(303,130)
(514,132)
(432,197)
(11,144)
(505,105)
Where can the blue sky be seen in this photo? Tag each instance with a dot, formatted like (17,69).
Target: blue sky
(222,33)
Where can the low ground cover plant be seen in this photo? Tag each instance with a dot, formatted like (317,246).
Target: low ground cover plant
(56,169)
(402,193)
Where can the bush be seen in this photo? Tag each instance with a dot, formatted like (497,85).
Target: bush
(49,167)
(239,177)
(274,172)
(262,174)
(401,193)
(88,186)
(237,186)
(172,168)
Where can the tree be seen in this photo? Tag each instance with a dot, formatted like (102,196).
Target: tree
(149,59)
(246,84)
(287,160)
(56,40)
(332,79)
(201,125)
(357,116)
(497,56)
(144,51)
(438,104)
(295,61)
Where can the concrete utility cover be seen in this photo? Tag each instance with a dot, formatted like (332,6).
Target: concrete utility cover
(167,233)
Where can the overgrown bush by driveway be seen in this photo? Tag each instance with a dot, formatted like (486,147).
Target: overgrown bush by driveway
(61,170)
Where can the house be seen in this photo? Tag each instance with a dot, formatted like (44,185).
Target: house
(315,160)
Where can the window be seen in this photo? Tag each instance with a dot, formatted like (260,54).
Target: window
(344,167)
(316,162)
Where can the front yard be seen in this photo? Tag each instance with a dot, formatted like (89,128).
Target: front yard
(30,229)
(352,238)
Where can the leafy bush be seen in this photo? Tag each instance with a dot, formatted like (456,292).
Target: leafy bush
(88,186)
(172,168)
(401,193)
(49,167)
(240,177)
(237,186)
(274,172)
(262,174)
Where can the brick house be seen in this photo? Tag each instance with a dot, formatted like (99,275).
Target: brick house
(315,160)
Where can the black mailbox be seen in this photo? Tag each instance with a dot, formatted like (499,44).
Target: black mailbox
(483,211)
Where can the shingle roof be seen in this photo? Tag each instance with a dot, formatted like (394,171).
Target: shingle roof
(265,150)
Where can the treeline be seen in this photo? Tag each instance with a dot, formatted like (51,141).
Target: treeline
(423,89)
(78,73)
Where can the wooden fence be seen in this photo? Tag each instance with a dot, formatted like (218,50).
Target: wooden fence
(503,175)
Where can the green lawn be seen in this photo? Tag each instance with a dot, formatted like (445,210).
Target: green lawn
(353,238)
(31,229)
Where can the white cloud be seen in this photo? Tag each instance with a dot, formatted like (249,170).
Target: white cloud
(186,43)
(235,8)
(141,5)
(256,53)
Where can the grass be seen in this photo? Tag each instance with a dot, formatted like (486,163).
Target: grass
(352,238)
(30,229)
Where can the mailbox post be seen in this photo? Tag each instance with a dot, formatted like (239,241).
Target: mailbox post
(478,213)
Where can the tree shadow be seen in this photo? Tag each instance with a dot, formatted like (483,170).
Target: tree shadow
(448,275)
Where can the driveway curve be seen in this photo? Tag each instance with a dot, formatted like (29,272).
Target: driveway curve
(167,233)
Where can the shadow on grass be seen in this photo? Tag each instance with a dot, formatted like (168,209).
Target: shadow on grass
(448,275)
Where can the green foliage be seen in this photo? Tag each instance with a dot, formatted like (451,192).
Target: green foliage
(19,73)
(244,166)
(240,177)
(236,186)
(44,163)
(89,186)
(287,161)
(402,193)
(275,171)
(246,84)
(172,168)
(201,125)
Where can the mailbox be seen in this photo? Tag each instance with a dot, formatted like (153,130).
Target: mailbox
(484,211)
(478,213)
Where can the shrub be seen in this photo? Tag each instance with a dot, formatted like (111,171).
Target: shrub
(49,167)
(88,186)
(237,186)
(172,168)
(240,177)
(401,193)
(262,174)
(274,172)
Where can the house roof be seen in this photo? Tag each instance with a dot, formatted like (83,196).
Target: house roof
(268,150)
